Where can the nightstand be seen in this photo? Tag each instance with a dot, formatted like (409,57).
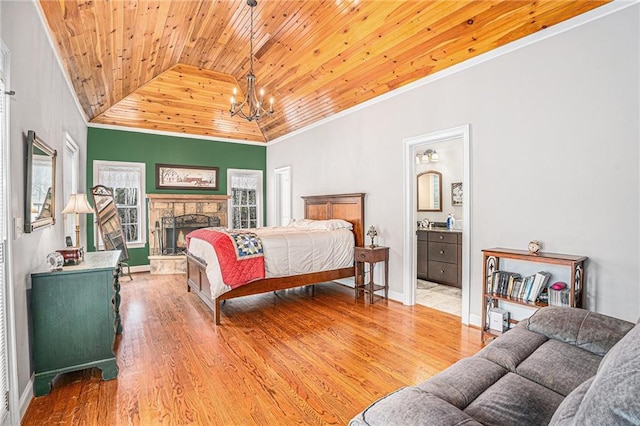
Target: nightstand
(371,256)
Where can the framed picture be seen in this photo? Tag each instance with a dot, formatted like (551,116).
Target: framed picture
(456,194)
(170,176)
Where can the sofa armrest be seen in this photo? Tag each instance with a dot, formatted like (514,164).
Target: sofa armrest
(591,331)
(412,406)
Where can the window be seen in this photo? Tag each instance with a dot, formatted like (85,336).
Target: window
(245,189)
(70,179)
(128,184)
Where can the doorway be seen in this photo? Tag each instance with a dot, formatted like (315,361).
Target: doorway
(282,196)
(439,173)
(413,147)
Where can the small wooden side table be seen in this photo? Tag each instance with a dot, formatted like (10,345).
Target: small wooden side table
(371,256)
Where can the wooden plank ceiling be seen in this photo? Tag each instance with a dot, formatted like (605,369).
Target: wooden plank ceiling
(172,64)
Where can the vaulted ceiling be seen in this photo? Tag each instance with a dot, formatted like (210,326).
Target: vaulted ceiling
(171,65)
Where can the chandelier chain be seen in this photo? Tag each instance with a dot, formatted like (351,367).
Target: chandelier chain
(251,42)
(253,102)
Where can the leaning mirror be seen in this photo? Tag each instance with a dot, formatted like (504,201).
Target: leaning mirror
(430,191)
(108,219)
(40,188)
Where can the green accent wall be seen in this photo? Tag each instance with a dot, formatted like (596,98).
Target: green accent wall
(119,145)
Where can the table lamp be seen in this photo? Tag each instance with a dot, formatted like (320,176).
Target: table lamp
(77,204)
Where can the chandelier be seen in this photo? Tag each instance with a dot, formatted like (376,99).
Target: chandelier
(253,101)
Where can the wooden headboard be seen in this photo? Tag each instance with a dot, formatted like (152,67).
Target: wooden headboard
(349,207)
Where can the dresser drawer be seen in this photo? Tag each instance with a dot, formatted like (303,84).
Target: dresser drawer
(443,272)
(363,254)
(444,237)
(442,252)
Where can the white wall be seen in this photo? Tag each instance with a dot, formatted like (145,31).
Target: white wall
(554,155)
(43,102)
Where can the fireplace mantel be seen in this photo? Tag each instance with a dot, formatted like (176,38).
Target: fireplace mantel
(196,198)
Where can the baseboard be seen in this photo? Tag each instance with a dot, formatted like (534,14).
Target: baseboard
(349,282)
(25,398)
(475,320)
(394,295)
(141,268)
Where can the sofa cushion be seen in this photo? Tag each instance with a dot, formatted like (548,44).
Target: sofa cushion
(590,331)
(559,367)
(512,347)
(514,400)
(464,381)
(412,406)
(613,397)
(566,412)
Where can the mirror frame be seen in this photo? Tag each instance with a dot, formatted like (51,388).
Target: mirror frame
(34,141)
(418,191)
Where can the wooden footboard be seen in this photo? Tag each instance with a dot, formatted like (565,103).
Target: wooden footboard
(349,207)
(199,284)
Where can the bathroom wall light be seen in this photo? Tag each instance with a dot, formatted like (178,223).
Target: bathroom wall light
(429,156)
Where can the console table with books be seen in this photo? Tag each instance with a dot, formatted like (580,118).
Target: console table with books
(502,287)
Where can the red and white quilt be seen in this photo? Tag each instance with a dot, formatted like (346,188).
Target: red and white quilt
(240,254)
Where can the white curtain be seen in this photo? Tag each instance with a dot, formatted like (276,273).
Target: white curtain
(118,177)
(244,182)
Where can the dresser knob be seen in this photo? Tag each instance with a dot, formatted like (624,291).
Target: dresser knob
(441,251)
(363,255)
(442,271)
(441,237)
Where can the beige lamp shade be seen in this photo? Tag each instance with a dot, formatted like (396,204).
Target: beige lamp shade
(78,204)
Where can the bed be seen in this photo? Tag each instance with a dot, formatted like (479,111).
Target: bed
(348,207)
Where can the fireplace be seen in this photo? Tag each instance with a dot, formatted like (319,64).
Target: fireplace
(171,218)
(175,229)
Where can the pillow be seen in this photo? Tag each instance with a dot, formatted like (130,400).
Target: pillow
(322,225)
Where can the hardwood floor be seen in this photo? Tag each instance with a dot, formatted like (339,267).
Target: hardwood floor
(285,358)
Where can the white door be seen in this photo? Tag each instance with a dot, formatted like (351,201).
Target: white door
(283,195)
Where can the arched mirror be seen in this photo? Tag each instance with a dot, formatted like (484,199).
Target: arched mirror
(40,190)
(430,191)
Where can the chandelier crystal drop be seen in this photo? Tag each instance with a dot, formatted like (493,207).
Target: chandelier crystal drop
(253,100)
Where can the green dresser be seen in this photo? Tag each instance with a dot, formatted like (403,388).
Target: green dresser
(75,318)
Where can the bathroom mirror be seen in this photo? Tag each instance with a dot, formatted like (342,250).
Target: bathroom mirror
(40,188)
(430,191)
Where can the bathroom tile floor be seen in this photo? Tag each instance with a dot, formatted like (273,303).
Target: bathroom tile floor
(441,297)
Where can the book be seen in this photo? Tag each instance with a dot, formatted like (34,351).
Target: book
(539,282)
(501,283)
(526,287)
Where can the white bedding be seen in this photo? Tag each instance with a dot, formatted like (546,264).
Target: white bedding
(287,251)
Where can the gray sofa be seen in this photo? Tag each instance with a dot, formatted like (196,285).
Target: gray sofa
(562,366)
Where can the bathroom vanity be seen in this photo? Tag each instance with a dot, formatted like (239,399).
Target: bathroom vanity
(439,256)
